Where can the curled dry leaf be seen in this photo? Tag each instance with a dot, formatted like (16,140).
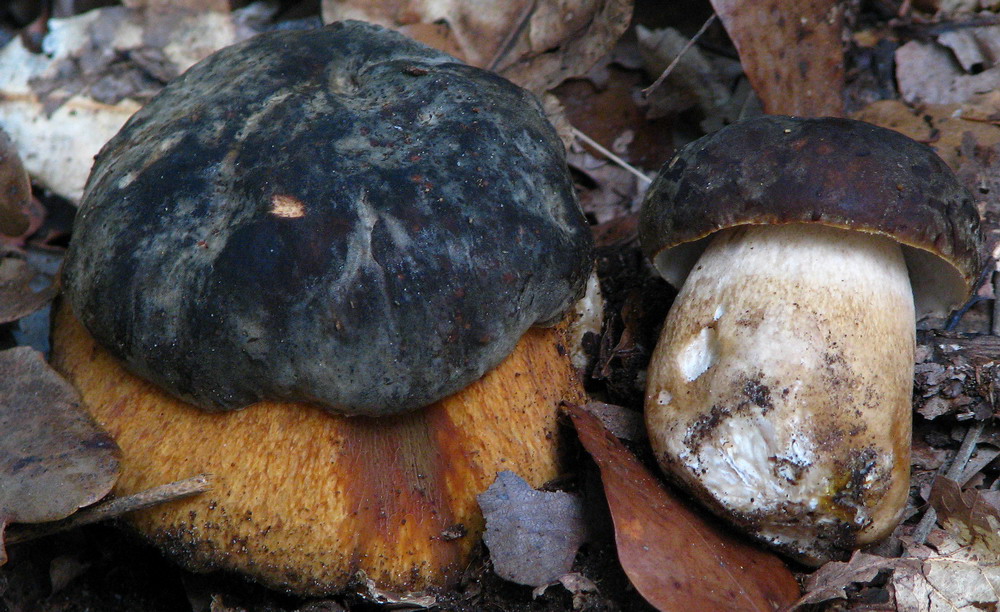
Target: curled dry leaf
(53,458)
(927,73)
(791,52)
(534,44)
(674,557)
(831,580)
(15,190)
(17,299)
(532,535)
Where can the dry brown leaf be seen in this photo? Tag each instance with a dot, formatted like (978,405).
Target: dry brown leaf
(968,516)
(610,114)
(831,580)
(673,556)
(791,52)
(534,44)
(17,299)
(15,190)
(53,458)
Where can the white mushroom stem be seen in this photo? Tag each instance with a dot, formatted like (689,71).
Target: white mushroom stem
(780,388)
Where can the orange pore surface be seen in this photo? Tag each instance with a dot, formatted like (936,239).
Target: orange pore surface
(301,499)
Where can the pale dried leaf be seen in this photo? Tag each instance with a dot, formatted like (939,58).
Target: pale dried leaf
(946,583)
(585,38)
(976,49)
(17,299)
(61,106)
(53,458)
(370,591)
(791,52)
(928,73)
(532,535)
(579,586)
(556,114)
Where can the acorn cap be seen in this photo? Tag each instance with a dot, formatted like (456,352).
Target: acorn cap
(836,172)
(339,216)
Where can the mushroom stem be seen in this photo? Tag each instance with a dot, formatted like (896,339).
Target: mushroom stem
(780,388)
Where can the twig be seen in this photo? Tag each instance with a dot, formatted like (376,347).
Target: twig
(621,162)
(676,60)
(965,450)
(995,323)
(954,473)
(512,36)
(113,508)
(977,462)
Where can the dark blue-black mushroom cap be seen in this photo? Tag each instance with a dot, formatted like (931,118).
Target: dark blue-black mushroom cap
(340,216)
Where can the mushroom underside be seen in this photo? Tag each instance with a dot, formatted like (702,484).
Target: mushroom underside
(779,391)
(302,499)
(938,286)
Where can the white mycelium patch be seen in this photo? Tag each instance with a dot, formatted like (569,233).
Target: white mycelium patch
(699,355)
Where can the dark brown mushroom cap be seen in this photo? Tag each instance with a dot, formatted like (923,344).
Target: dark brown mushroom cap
(340,216)
(838,172)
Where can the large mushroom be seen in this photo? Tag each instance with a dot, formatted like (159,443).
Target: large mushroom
(780,389)
(317,224)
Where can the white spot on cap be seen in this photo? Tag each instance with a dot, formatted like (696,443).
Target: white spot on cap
(663,398)
(287,207)
(126,180)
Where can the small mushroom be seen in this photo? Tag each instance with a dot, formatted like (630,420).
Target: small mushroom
(779,391)
(340,219)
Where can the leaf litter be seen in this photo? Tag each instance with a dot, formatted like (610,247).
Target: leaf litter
(956,381)
(53,458)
